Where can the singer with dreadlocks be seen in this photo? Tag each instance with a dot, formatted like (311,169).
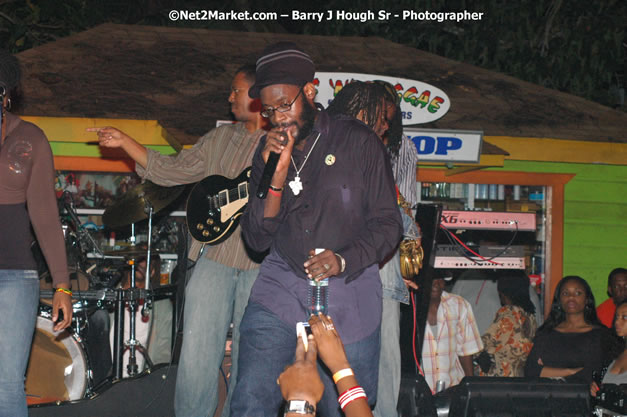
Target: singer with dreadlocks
(26,199)
(377,105)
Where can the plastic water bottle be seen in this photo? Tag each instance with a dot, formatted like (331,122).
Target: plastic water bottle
(318,294)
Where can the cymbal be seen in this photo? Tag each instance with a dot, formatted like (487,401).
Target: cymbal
(133,206)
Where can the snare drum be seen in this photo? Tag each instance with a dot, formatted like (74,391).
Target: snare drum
(57,367)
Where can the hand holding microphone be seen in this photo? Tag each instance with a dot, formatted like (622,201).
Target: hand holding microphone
(277,153)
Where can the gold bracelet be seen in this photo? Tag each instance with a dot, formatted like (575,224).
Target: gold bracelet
(272,187)
(64,291)
(342,373)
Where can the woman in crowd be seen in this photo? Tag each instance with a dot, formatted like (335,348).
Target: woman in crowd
(509,339)
(617,371)
(301,380)
(26,199)
(572,344)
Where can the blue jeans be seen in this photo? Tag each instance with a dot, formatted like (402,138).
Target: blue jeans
(215,295)
(394,292)
(389,360)
(267,345)
(19,297)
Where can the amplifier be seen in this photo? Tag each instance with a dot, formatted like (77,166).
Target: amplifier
(518,397)
(612,397)
(486,251)
(459,262)
(510,252)
(489,220)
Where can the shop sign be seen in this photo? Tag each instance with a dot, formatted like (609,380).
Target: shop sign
(420,102)
(436,145)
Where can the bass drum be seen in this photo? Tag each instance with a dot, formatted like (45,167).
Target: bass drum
(57,367)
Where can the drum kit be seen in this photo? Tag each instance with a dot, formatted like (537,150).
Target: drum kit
(60,367)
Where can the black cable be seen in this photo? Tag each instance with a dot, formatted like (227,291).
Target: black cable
(456,245)
(509,244)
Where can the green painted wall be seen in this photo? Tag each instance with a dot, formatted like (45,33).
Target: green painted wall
(595,218)
(92,150)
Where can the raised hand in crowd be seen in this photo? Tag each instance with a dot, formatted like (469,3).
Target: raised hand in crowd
(300,380)
(352,399)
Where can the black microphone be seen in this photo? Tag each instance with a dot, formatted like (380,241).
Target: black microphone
(266,177)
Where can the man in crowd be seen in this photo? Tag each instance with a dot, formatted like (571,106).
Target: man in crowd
(617,290)
(451,336)
(332,190)
(218,290)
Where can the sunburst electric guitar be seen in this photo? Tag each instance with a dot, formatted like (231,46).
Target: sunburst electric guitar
(215,205)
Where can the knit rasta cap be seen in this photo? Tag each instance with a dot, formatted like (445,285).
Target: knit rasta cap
(282,63)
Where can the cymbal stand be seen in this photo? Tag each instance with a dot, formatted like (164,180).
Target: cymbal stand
(132,343)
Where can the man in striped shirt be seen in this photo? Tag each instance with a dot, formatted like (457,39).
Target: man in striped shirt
(218,290)
(451,337)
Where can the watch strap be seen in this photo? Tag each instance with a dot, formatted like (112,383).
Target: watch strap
(299,407)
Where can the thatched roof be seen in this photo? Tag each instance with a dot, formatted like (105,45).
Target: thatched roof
(181,77)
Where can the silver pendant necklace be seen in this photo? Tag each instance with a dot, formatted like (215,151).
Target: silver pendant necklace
(296,185)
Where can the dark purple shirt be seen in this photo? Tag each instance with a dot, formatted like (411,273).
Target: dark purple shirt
(347,205)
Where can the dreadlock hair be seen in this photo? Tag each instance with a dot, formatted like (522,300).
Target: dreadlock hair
(370,98)
(557,314)
(394,134)
(355,97)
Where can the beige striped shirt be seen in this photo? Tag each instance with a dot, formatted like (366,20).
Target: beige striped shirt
(226,151)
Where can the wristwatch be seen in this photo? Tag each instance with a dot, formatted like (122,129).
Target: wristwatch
(299,407)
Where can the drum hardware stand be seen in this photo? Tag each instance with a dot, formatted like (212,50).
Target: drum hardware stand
(133,294)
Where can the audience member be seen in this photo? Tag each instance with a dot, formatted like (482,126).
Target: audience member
(617,291)
(572,344)
(617,370)
(509,338)
(478,287)
(300,382)
(451,337)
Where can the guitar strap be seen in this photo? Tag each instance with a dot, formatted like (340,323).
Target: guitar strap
(195,249)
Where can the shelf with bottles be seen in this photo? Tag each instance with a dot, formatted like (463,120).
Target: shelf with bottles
(488,197)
